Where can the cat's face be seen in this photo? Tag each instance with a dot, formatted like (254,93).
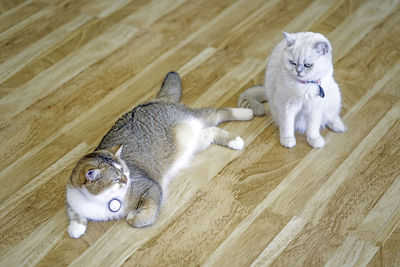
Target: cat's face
(307,56)
(100,171)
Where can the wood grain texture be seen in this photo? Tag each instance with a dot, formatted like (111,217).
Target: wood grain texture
(70,68)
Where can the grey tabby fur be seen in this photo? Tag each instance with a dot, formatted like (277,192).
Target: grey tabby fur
(139,155)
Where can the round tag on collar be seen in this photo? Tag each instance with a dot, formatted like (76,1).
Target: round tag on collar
(114,205)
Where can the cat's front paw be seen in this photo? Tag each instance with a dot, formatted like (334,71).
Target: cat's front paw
(139,219)
(337,126)
(316,142)
(236,143)
(76,229)
(288,142)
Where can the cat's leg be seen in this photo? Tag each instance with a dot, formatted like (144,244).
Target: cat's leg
(336,125)
(286,128)
(144,216)
(147,211)
(171,89)
(252,98)
(314,137)
(213,117)
(77,224)
(215,135)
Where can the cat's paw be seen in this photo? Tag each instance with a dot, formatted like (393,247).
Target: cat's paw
(139,219)
(258,108)
(246,114)
(337,126)
(76,229)
(316,142)
(236,143)
(241,114)
(288,142)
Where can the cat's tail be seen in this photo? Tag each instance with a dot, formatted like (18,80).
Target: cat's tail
(252,98)
(171,88)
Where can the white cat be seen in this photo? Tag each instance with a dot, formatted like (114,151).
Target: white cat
(300,89)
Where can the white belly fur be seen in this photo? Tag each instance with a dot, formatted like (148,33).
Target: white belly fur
(187,136)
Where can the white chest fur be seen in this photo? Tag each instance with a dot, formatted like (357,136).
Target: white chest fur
(97,207)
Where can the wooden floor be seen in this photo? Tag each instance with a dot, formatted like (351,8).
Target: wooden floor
(70,68)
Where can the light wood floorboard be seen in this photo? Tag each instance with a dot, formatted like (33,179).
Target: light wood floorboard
(70,68)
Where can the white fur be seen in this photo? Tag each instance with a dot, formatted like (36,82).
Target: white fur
(242,113)
(192,136)
(188,137)
(296,106)
(76,230)
(95,207)
(237,143)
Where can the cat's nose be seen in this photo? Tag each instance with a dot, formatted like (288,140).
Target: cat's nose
(299,70)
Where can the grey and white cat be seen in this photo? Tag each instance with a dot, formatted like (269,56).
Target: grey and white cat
(128,173)
(299,86)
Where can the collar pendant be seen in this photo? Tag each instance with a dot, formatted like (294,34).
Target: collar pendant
(114,205)
(317,82)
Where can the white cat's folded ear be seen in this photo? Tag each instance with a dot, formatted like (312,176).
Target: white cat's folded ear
(323,48)
(116,150)
(290,40)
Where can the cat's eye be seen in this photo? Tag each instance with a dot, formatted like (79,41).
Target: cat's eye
(91,174)
(116,179)
(307,65)
(292,62)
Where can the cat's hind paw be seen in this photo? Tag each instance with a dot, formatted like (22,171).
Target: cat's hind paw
(288,142)
(316,142)
(76,229)
(242,114)
(141,218)
(236,143)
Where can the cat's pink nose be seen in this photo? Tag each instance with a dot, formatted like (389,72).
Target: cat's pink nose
(299,70)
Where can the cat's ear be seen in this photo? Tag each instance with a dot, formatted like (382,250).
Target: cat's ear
(289,39)
(82,173)
(322,48)
(116,150)
(77,178)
